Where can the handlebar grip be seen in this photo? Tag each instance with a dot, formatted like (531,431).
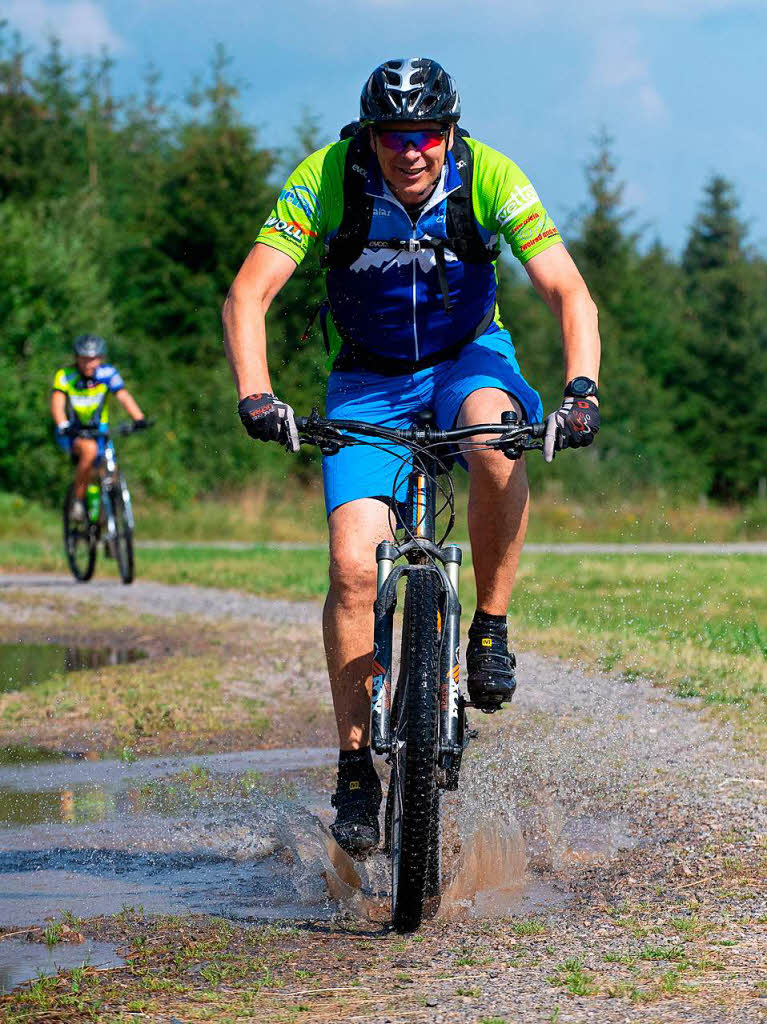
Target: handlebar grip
(539,430)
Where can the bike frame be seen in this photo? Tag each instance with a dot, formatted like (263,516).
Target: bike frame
(110,475)
(421,554)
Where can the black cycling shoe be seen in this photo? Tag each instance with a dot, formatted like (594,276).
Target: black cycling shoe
(357,799)
(491,667)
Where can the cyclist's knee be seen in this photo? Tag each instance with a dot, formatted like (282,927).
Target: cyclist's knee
(353,577)
(86,450)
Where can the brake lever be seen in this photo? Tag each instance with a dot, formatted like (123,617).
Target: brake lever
(327,439)
(515,448)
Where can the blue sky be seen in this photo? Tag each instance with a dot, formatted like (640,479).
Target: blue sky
(680,84)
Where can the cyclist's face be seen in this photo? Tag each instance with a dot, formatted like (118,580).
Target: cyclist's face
(412,171)
(87,365)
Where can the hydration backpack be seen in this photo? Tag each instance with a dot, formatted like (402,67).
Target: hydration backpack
(461,229)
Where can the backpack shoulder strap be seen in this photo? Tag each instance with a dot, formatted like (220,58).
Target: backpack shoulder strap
(461,227)
(347,245)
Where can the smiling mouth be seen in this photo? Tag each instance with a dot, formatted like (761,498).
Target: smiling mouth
(411,172)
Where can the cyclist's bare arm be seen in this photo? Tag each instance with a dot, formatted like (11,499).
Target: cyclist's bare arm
(559,283)
(259,279)
(129,403)
(58,407)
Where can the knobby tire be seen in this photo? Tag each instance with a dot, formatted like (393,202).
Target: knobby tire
(80,542)
(123,537)
(415,823)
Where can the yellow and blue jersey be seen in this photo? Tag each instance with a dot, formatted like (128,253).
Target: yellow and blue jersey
(87,396)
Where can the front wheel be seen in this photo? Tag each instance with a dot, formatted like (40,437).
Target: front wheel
(123,533)
(415,803)
(80,541)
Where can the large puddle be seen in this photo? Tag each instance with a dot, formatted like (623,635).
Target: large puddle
(244,835)
(23,665)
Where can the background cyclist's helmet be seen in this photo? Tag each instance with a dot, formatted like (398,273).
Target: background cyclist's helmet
(89,345)
(409,89)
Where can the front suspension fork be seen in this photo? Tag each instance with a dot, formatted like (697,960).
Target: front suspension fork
(450,664)
(451,709)
(383,610)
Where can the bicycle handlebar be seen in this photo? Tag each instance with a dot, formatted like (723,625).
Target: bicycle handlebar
(316,430)
(130,428)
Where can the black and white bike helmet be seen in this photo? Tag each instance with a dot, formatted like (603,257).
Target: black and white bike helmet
(409,89)
(89,345)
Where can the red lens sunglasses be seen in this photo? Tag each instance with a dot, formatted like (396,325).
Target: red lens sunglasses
(427,138)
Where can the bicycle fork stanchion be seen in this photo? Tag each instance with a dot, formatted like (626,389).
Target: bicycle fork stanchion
(451,745)
(383,610)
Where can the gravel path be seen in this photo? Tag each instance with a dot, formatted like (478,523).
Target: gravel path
(626,821)
(165,600)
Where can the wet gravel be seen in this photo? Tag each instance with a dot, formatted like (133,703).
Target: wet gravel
(633,812)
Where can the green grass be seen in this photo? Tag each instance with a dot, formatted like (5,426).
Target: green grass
(265,513)
(697,624)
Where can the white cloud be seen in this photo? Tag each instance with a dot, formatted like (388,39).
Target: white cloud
(81,25)
(620,69)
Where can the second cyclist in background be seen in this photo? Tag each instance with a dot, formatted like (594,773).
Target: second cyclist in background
(80,410)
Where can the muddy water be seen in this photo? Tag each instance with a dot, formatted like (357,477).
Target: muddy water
(228,834)
(23,665)
(552,788)
(21,960)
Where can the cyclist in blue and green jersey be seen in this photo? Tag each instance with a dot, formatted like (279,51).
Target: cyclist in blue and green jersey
(80,410)
(408,212)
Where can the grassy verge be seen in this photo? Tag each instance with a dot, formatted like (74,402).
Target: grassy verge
(261,514)
(695,624)
(198,690)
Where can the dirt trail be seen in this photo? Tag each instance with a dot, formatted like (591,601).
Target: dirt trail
(607,848)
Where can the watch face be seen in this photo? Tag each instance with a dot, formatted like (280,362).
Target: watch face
(581,387)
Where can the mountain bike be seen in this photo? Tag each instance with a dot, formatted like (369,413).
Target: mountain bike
(419,724)
(109,515)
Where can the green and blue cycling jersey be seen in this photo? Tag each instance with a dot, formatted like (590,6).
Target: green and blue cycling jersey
(87,398)
(390,302)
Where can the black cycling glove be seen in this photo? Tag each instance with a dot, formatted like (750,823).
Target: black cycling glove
(267,419)
(141,424)
(573,425)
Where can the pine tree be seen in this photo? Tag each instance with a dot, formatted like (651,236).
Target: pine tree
(637,441)
(721,367)
(717,235)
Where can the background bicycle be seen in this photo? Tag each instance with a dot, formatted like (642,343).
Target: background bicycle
(109,516)
(419,724)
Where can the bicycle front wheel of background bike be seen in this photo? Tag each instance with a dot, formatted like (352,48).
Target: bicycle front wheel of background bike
(415,805)
(80,542)
(123,536)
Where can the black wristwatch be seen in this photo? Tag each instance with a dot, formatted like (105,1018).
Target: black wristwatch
(581,387)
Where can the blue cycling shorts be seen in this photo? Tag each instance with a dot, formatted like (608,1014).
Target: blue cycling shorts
(361,471)
(65,441)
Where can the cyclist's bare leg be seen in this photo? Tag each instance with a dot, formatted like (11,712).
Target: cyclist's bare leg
(498,505)
(355,530)
(86,450)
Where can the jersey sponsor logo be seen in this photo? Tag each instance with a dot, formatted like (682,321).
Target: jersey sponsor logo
(521,198)
(301,197)
(539,238)
(384,259)
(360,170)
(84,401)
(531,219)
(290,228)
